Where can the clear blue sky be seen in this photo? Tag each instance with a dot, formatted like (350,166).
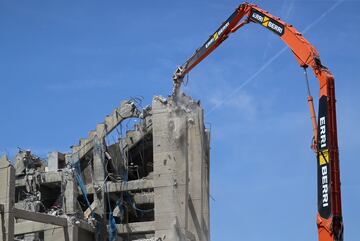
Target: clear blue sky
(65,64)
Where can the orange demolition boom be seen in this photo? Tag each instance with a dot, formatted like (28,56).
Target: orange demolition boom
(325,143)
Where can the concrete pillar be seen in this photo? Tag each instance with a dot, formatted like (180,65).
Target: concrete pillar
(56,161)
(180,170)
(70,194)
(170,171)
(7,199)
(99,194)
(206,184)
(198,176)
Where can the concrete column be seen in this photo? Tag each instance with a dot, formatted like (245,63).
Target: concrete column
(206,190)
(99,174)
(170,171)
(180,170)
(7,199)
(198,183)
(99,194)
(70,194)
(56,161)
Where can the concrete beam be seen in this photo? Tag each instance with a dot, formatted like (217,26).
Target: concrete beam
(39,217)
(125,186)
(138,227)
(130,185)
(33,227)
(139,198)
(89,210)
(47,177)
(144,198)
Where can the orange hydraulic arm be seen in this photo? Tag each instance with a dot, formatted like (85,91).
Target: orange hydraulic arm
(325,144)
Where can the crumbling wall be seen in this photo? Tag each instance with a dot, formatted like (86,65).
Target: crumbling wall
(150,183)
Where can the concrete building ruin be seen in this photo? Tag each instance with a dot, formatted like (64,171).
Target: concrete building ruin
(151,183)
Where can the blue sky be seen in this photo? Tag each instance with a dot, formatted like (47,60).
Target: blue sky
(64,65)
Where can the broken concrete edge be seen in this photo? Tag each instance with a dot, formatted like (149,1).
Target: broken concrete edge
(4,162)
(127,109)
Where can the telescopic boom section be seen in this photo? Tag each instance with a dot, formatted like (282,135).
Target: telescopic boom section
(329,217)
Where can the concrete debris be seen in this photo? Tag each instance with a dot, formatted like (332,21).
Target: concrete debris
(26,161)
(161,99)
(150,183)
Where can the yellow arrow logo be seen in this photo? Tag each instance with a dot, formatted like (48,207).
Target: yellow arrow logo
(323,157)
(216,36)
(265,21)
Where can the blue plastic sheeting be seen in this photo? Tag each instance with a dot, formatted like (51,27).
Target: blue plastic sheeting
(112,229)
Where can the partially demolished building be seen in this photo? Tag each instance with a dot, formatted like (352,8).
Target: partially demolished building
(151,183)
